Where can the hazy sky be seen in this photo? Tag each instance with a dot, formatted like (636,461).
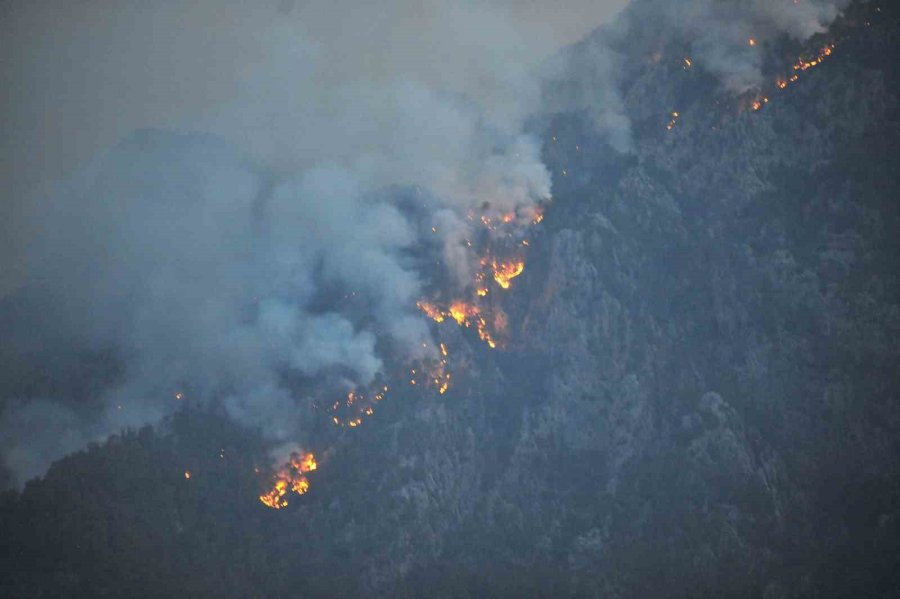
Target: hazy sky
(76,76)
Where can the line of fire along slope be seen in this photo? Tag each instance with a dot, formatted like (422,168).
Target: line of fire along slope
(496,270)
(802,65)
(756,101)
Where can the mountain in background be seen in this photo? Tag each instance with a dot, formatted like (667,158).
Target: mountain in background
(699,396)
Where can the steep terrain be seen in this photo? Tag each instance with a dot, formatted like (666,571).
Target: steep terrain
(698,398)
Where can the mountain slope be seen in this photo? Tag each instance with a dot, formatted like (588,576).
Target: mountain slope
(699,396)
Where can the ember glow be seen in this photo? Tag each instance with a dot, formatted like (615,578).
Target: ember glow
(756,101)
(801,66)
(432,372)
(290,477)
(804,64)
(356,406)
(673,121)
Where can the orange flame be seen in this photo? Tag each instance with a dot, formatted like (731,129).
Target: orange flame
(465,315)
(800,66)
(804,65)
(289,477)
(673,121)
(360,404)
(504,272)
(431,311)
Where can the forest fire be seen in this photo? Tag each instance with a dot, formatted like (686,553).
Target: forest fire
(356,407)
(755,102)
(500,261)
(465,314)
(496,259)
(802,65)
(758,103)
(433,372)
(290,477)
(504,272)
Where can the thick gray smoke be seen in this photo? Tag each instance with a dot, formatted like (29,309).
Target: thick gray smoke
(265,248)
(179,257)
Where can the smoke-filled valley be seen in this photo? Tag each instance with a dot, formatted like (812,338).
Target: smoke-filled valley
(450,303)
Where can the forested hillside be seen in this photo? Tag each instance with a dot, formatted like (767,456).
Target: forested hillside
(698,396)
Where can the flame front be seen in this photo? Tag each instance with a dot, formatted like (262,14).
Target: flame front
(756,101)
(465,314)
(290,477)
(801,66)
(504,272)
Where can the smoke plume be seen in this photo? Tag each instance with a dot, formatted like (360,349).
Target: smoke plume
(268,233)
